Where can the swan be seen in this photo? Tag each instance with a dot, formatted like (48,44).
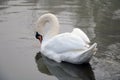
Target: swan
(73,47)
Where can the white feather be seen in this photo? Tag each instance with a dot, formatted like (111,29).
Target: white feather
(81,34)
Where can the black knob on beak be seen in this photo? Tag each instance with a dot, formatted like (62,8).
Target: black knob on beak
(37,35)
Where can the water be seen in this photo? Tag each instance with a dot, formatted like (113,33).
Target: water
(19,57)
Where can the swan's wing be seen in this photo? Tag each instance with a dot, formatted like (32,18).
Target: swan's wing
(80,33)
(80,57)
(65,42)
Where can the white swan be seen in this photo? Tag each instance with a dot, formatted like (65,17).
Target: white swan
(70,47)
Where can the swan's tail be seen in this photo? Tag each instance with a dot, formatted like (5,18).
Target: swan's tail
(87,54)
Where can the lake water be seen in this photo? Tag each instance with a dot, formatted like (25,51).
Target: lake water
(19,50)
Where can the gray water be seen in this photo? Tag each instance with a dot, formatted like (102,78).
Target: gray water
(19,57)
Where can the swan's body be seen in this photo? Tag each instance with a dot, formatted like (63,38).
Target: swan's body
(70,47)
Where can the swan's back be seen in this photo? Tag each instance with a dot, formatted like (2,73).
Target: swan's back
(64,43)
(68,50)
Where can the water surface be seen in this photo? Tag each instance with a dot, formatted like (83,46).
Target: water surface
(100,20)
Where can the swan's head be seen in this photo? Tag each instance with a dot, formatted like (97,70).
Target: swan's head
(39,37)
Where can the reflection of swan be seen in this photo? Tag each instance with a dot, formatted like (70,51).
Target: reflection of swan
(64,71)
(70,47)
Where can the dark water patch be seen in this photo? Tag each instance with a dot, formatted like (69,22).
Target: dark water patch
(3,2)
(22,5)
(64,71)
(3,7)
(105,69)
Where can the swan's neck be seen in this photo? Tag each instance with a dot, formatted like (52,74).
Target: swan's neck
(54,30)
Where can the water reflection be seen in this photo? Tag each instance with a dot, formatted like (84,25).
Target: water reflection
(3,2)
(64,71)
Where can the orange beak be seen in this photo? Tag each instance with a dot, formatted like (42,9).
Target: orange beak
(39,37)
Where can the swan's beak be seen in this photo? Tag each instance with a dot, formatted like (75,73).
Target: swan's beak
(39,37)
